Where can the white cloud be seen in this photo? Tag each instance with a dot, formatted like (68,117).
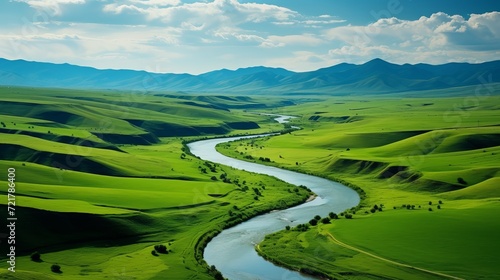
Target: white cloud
(294,40)
(219,12)
(317,22)
(50,6)
(158,3)
(426,37)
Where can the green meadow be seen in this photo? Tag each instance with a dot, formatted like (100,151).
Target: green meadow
(427,170)
(104,177)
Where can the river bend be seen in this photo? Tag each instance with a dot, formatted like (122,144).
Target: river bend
(232,251)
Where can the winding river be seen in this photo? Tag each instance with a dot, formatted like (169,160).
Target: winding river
(232,251)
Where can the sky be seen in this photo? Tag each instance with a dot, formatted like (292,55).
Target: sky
(188,36)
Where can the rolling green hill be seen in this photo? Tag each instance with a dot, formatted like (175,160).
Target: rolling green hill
(103,177)
(431,164)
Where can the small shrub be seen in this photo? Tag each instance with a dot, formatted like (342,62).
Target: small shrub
(317,217)
(160,248)
(287,227)
(333,215)
(36,257)
(55,268)
(430,209)
(461,180)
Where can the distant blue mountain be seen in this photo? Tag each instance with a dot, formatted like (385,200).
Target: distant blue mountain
(375,76)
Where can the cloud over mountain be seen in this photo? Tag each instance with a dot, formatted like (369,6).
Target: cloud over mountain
(198,36)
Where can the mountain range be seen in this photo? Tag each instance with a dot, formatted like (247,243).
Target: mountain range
(375,76)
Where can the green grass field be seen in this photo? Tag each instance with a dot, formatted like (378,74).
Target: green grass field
(408,151)
(102,177)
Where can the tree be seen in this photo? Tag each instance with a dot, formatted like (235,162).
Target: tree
(333,215)
(313,222)
(55,268)
(36,257)
(317,217)
(325,220)
(287,227)
(160,248)
(461,180)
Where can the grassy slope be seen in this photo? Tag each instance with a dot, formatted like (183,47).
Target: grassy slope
(408,151)
(97,209)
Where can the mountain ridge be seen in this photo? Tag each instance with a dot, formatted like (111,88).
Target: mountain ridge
(374,76)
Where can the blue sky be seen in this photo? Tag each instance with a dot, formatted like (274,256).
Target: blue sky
(188,36)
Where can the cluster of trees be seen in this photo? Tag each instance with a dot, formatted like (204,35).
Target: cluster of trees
(326,220)
(160,248)
(4,125)
(302,227)
(265,159)
(212,270)
(209,165)
(376,208)
(412,206)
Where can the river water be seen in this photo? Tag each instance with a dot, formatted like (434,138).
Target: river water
(232,251)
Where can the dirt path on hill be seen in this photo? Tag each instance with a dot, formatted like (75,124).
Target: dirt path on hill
(340,243)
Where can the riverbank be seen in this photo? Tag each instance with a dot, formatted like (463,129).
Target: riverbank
(232,251)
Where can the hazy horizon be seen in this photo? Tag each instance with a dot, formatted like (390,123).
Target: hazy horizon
(245,67)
